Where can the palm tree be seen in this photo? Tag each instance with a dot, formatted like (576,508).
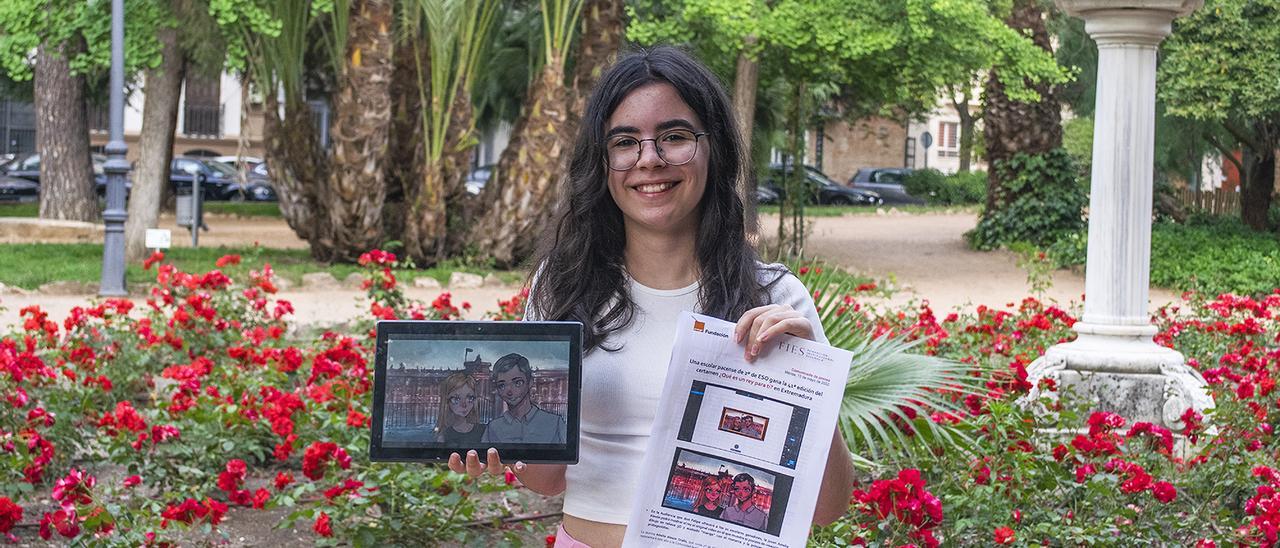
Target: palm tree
(356,186)
(890,393)
(522,189)
(1010,126)
(457,31)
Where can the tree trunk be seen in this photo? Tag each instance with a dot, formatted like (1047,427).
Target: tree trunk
(967,123)
(155,146)
(405,139)
(356,190)
(455,165)
(527,173)
(1259,183)
(62,137)
(296,163)
(597,49)
(745,81)
(1013,127)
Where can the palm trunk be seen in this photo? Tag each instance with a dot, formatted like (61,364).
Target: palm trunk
(454,167)
(1012,127)
(404,141)
(526,174)
(361,125)
(745,81)
(293,152)
(155,147)
(597,49)
(62,137)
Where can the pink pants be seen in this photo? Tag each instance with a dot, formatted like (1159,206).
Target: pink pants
(563,540)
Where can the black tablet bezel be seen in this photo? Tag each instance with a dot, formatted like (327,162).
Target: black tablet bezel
(566,453)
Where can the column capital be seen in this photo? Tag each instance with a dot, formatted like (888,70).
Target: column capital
(1128,22)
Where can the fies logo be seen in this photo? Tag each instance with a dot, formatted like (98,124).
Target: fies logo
(701,327)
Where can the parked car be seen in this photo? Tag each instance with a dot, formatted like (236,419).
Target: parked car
(886,181)
(215,184)
(766,196)
(821,189)
(257,186)
(28,167)
(14,189)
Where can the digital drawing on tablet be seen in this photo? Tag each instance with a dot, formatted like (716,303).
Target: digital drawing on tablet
(443,387)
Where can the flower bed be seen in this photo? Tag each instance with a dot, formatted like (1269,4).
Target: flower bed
(144,425)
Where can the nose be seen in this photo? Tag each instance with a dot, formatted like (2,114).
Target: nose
(649,157)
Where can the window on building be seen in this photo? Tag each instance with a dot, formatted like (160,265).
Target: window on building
(202,111)
(948,140)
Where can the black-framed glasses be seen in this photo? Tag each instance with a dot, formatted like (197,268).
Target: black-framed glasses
(676,147)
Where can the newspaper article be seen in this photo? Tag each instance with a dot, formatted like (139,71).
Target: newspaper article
(738,449)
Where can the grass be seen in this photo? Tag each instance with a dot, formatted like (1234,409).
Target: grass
(31,209)
(239,209)
(30,265)
(840,211)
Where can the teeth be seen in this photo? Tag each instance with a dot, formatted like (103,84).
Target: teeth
(656,187)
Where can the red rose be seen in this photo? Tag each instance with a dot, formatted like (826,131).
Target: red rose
(1004,535)
(1164,491)
(10,514)
(322,526)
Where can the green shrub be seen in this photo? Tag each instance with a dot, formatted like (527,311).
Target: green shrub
(955,189)
(1043,200)
(1212,255)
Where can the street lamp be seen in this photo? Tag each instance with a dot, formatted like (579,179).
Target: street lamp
(116,167)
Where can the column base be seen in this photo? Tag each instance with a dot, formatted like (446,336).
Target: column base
(1130,376)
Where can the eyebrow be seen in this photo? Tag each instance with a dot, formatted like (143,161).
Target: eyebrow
(662,126)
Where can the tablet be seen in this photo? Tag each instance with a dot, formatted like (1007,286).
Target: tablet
(441,387)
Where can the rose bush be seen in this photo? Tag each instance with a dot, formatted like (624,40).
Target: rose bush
(145,423)
(1111,481)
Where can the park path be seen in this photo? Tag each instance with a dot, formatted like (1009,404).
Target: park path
(927,258)
(923,254)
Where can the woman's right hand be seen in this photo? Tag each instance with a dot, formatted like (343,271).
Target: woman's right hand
(474,468)
(545,479)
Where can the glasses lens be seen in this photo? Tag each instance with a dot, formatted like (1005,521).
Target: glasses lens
(677,147)
(623,152)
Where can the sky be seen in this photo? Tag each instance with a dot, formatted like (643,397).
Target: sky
(448,354)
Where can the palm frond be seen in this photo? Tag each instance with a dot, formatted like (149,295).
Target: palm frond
(891,392)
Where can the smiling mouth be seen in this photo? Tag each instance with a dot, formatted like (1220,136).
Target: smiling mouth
(655,188)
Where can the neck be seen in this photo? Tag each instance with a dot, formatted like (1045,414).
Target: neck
(745,504)
(661,261)
(521,409)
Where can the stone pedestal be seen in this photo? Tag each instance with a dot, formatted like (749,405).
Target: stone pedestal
(1113,363)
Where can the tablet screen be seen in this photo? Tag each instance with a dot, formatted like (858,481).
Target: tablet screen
(442,387)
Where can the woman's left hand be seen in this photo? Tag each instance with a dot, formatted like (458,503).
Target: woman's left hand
(758,325)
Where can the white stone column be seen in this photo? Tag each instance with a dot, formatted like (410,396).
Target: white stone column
(1113,361)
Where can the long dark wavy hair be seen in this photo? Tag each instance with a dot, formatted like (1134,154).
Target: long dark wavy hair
(580,274)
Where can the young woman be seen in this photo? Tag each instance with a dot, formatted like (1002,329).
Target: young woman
(708,503)
(459,421)
(651,224)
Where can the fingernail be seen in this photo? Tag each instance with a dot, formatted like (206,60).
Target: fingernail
(755,350)
(472,453)
(519,467)
(761,337)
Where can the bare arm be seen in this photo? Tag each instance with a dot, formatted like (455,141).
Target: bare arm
(837,483)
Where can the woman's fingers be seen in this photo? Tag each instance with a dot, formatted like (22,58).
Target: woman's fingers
(455,464)
(761,324)
(797,325)
(493,463)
